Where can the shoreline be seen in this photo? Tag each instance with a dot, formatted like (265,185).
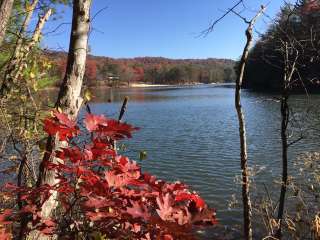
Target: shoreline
(140,85)
(136,85)
(148,85)
(145,85)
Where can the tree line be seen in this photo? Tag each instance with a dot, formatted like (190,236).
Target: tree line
(154,70)
(298,23)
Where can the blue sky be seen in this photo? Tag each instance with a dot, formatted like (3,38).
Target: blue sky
(167,28)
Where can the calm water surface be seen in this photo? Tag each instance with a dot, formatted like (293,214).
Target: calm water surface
(191,135)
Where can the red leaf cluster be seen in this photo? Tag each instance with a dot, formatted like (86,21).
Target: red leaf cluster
(61,125)
(100,191)
(108,127)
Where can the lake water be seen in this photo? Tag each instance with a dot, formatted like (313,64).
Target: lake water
(191,135)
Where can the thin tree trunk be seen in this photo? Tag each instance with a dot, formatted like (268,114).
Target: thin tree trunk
(16,67)
(5,13)
(247,208)
(15,64)
(26,48)
(289,70)
(21,34)
(284,141)
(69,99)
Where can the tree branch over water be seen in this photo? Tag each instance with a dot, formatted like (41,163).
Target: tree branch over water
(211,27)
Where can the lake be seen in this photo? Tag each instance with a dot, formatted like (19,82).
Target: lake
(191,134)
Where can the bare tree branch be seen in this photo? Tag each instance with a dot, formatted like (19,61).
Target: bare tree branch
(211,27)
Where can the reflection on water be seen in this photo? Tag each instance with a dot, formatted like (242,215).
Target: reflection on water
(191,134)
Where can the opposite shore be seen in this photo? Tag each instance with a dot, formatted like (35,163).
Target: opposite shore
(142,85)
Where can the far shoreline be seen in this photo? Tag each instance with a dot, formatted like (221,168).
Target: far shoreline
(148,85)
(136,85)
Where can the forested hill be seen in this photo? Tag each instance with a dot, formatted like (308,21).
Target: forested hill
(154,70)
(292,42)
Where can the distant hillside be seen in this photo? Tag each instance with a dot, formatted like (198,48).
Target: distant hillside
(155,70)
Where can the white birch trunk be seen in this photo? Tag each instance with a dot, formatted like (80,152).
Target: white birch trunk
(5,12)
(69,99)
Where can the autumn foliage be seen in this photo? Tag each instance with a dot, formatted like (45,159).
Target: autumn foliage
(91,71)
(157,70)
(102,193)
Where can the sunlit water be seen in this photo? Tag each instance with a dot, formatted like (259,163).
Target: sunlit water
(191,134)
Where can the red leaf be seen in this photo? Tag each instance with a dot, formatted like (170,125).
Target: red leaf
(100,202)
(167,237)
(88,176)
(115,180)
(200,204)
(4,217)
(65,188)
(165,210)
(4,235)
(101,150)
(88,155)
(206,216)
(126,165)
(74,154)
(29,209)
(139,211)
(97,216)
(62,125)
(64,119)
(52,128)
(108,127)
(47,227)
(93,122)
(117,130)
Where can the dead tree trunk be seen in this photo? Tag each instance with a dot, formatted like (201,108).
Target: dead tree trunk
(289,69)
(5,13)
(284,142)
(247,208)
(69,99)
(247,211)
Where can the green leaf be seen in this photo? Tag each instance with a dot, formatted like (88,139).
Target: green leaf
(87,95)
(143,155)
(122,147)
